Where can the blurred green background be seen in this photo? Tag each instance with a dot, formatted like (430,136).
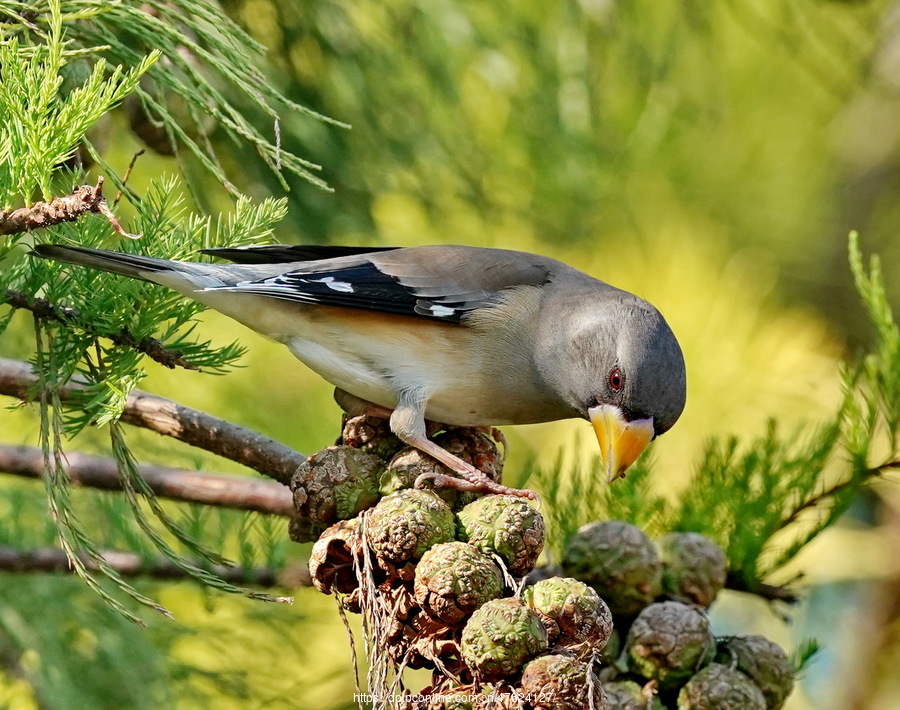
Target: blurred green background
(710,157)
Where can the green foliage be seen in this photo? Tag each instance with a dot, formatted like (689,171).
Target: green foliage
(50,628)
(573,494)
(206,61)
(39,129)
(741,497)
(140,309)
(876,384)
(763,500)
(253,540)
(111,371)
(72,534)
(102,322)
(591,122)
(74,655)
(804,655)
(572,122)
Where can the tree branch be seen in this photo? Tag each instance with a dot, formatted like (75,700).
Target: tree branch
(67,208)
(204,431)
(769,592)
(239,492)
(834,490)
(151,347)
(128,564)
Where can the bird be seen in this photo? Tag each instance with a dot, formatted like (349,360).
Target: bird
(462,335)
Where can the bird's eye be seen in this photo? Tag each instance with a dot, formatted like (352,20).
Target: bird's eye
(616,378)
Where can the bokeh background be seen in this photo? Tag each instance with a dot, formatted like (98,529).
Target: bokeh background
(710,157)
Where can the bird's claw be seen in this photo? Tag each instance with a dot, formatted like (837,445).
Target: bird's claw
(475,482)
(439,480)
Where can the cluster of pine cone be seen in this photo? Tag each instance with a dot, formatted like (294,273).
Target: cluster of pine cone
(446,581)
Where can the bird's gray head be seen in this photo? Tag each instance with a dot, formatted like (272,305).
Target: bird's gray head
(619,366)
(648,367)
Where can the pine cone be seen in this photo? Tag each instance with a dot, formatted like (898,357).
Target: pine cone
(506,526)
(718,687)
(561,683)
(469,444)
(763,661)
(333,484)
(628,695)
(461,698)
(580,615)
(668,642)
(372,435)
(694,567)
(453,579)
(406,524)
(500,637)
(331,559)
(619,562)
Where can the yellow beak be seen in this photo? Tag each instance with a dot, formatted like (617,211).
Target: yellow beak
(621,441)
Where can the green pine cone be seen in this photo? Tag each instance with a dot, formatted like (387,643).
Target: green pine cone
(371,434)
(763,661)
(619,562)
(405,525)
(668,642)
(582,617)
(453,579)
(506,526)
(450,700)
(718,687)
(694,567)
(469,444)
(333,484)
(628,695)
(556,682)
(500,637)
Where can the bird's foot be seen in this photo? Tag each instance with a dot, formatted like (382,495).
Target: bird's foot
(440,480)
(467,477)
(475,482)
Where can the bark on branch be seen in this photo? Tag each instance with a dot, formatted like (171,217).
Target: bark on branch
(204,431)
(769,592)
(151,347)
(238,492)
(67,208)
(128,564)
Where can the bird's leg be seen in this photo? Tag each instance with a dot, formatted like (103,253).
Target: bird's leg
(357,407)
(408,423)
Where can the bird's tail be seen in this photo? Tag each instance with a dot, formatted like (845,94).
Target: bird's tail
(137,267)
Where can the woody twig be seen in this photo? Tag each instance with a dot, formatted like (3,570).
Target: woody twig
(67,208)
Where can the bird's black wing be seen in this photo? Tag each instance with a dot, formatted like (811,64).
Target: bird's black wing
(440,283)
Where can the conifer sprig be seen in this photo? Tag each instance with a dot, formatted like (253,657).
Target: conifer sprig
(40,125)
(93,326)
(210,73)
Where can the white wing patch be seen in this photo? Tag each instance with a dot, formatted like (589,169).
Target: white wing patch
(278,282)
(364,287)
(334,284)
(441,311)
